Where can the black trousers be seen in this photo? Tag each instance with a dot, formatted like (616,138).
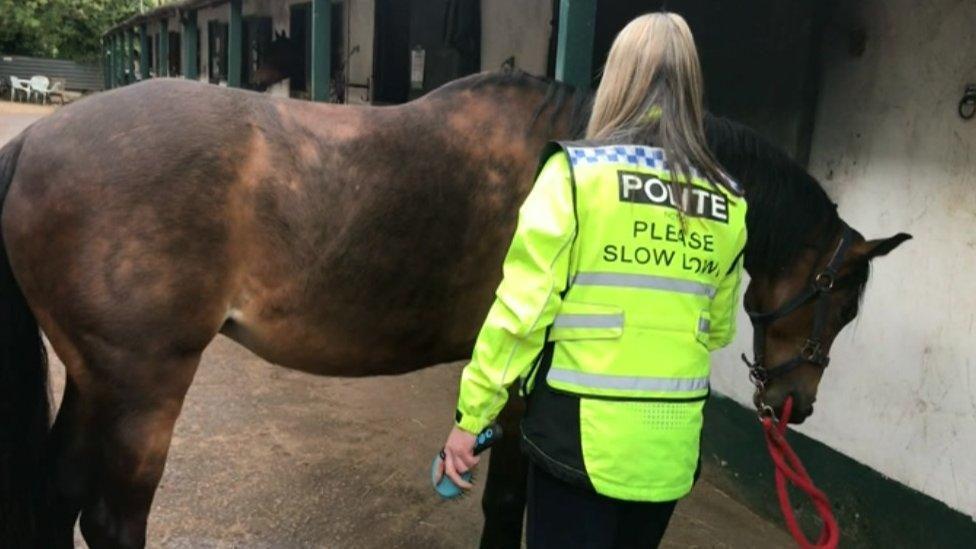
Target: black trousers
(561,515)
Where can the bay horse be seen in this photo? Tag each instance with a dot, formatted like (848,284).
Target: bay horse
(336,240)
(283,58)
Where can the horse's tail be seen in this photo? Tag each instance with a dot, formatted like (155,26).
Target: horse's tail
(24,406)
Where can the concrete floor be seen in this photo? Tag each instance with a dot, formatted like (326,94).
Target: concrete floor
(268,457)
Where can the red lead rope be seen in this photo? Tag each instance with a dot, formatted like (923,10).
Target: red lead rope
(788,466)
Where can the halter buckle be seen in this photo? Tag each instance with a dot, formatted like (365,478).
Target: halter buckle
(824,281)
(758,379)
(757,374)
(811,350)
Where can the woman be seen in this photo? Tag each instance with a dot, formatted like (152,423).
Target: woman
(623,274)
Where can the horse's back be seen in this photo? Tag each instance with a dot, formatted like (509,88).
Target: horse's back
(336,239)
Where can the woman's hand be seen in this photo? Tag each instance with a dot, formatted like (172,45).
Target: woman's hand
(459,456)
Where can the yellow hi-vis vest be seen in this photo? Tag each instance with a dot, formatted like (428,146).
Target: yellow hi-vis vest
(609,306)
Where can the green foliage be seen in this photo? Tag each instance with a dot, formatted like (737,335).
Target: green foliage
(61,29)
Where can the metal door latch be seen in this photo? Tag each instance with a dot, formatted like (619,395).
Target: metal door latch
(967,105)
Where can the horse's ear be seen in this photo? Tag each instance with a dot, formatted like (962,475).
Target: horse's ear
(882,246)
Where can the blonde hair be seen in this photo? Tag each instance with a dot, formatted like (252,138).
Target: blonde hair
(651,93)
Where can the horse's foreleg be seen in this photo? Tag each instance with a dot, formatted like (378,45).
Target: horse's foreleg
(503,502)
(136,413)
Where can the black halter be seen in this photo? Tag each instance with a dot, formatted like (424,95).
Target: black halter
(813,351)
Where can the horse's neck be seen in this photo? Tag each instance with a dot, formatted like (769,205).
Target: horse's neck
(788,209)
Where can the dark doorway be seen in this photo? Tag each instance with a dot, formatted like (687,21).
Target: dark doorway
(152,55)
(257,39)
(758,57)
(391,51)
(337,47)
(448,32)
(217,51)
(299,31)
(553,40)
(156,51)
(199,55)
(175,59)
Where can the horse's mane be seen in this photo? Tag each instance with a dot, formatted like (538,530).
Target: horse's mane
(786,204)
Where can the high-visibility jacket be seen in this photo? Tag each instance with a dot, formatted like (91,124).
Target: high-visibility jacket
(610,303)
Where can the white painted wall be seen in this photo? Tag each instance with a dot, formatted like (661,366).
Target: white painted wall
(515,27)
(900,395)
(360,25)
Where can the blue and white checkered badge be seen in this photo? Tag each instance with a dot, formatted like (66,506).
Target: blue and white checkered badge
(638,155)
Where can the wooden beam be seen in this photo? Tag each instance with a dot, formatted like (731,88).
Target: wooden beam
(190,39)
(163,47)
(574,44)
(235,43)
(321,49)
(144,48)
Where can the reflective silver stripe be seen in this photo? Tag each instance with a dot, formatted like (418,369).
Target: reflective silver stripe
(704,324)
(628,280)
(588,321)
(628,383)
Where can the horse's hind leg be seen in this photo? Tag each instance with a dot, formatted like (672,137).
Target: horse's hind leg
(503,502)
(70,459)
(139,400)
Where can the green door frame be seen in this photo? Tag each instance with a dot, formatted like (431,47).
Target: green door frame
(163,61)
(574,43)
(191,38)
(235,43)
(144,47)
(321,65)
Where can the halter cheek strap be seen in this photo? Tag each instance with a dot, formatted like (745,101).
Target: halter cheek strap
(813,351)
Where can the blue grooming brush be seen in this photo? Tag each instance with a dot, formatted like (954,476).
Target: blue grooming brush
(446,487)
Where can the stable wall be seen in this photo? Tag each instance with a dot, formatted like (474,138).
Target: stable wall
(518,28)
(900,394)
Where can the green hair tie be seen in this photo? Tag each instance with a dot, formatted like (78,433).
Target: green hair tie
(653,114)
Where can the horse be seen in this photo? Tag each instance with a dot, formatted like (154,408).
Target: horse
(283,58)
(336,240)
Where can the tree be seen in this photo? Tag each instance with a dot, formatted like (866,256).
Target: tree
(61,29)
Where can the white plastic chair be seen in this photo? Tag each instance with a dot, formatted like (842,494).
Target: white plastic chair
(19,85)
(41,86)
(56,90)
